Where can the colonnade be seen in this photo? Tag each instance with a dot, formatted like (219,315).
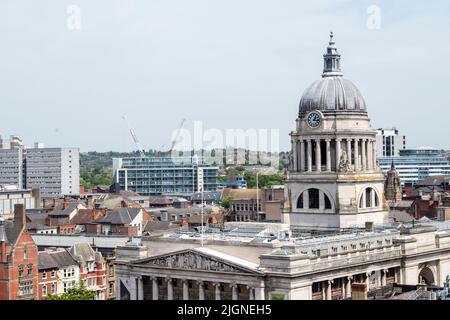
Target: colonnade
(168,285)
(324,154)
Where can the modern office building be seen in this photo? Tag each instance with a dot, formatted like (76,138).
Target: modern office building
(55,171)
(414,164)
(389,142)
(164,175)
(10,196)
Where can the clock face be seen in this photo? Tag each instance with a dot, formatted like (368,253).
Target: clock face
(313,119)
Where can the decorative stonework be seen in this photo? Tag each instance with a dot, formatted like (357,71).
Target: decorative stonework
(191,260)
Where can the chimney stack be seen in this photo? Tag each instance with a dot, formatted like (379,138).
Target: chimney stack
(19,216)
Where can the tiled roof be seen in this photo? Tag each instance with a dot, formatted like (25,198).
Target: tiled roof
(82,216)
(83,252)
(122,216)
(59,258)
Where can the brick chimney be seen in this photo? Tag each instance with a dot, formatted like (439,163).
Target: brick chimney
(19,216)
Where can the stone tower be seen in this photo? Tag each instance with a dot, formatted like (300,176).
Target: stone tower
(333,181)
(392,186)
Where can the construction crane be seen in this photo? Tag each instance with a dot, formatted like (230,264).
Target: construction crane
(175,138)
(135,138)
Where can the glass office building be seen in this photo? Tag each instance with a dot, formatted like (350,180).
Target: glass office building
(416,164)
(164,175)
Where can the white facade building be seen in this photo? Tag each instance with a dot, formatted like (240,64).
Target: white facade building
(333,181)
(390,142)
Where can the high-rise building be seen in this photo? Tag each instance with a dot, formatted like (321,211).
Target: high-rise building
(164,175)
(390,142)
(333,181)
(55,171)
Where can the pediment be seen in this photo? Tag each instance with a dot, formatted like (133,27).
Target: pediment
(191,259)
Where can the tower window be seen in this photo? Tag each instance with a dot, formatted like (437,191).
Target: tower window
(314,198)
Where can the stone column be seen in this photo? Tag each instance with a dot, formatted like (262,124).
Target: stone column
(140,288)
(155,288)
(169,289)
(383,277)
(251,295)
(305,199)
(349,152)
(294,153)
(328,290)
(309,154)
(321,200)
(338,153)
(318,158)
(302,155)
(356,142)
(368,281)
(372,197)
(260,291)
(328,155)
(217,292)
(201,290)
(185,289)
(374,152)
(363,155)
(348,287)
(369,155)
(234,292)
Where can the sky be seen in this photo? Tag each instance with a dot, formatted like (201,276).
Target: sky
(68,76)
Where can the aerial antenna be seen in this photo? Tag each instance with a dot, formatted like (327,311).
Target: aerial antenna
(135,138)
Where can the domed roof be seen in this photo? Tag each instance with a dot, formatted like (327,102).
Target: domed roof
(332,93)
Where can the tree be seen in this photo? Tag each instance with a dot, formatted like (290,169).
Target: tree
(76,293)
(226,202)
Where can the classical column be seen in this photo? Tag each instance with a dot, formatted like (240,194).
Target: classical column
(374,151)
(140,288)
(185,289)
(368,280)
(356,142)
(363,155)
(328,290)
(318,154)
(234,292)
(349,152)
(306,199)
(302,155)
(383,277)
(251,294)
(372,198)
(321,200)
(338,153)
(260,292)
(328,154)
(217,291)
(201,290)
(294,153)
(369,155)
(155,288)
(309,154)
(169,289)
(348,287)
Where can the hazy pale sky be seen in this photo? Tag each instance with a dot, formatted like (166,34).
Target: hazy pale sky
(229,63)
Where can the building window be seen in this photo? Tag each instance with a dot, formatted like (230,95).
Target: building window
(53,274)
(21,267)
(53,288)
(25,253)
(111,288)
(30,269)
(44,290)
(44,275)
(369,199)
(25,288)
(313,200)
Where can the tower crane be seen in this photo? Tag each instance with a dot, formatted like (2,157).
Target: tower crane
(175,138)
(135,138)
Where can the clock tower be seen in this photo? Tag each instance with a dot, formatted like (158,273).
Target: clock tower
(333,181)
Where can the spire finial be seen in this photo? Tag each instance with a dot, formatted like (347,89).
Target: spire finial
(331,38)
(332,60)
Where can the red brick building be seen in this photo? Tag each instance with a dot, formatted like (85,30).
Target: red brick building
(18,259)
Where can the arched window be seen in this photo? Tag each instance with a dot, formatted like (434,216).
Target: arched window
(310,199)
(369,199)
